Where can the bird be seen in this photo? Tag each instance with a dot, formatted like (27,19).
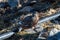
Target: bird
(30,21)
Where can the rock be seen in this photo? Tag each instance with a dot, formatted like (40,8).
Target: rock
(38,28)
(41,6)
(27,2)
(26,9)
(12,3)
(1,5)
(42,36)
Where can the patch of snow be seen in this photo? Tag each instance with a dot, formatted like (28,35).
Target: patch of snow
(31,31)
(53,32)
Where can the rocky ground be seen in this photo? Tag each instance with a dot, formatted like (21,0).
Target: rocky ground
(10,16)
